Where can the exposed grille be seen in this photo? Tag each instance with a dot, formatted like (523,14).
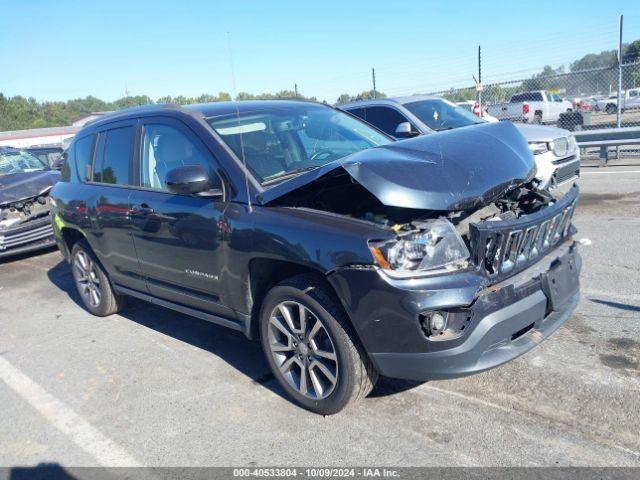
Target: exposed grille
(560,161)
(503,248)
(566,172)
(26,233)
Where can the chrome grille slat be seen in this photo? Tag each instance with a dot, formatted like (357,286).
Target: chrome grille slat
(504,248)
(10,240)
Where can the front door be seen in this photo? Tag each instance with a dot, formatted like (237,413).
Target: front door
(180,239)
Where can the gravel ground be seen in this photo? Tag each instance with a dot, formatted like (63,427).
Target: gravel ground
(152,387)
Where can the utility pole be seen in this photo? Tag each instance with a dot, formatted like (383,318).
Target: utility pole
(295,87)
(619,73)
(480,80)
(373,77)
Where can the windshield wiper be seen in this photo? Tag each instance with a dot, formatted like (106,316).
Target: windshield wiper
(283,176)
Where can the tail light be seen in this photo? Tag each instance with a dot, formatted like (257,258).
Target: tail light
(525,108)
(476,109)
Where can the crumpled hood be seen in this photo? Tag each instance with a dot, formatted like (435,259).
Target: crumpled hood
(457,169)
(21,186)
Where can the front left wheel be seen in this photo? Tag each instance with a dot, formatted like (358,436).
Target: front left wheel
(311,346)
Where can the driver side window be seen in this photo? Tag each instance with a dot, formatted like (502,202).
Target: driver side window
(165,147)
(385,118)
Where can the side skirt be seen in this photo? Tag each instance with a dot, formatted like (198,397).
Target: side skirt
(242,325)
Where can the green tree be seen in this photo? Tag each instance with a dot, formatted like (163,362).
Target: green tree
(547,79)
(369,94)
(631,52)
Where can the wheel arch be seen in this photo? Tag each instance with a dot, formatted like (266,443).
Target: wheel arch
(69,236)
(264,274)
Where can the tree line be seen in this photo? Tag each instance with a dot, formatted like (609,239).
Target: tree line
(591,74)
(17,113)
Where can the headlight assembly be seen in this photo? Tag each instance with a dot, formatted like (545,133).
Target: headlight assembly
(435,246)
(538,148)
(560,147)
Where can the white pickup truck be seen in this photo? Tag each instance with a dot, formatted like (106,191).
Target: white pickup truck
(537,106)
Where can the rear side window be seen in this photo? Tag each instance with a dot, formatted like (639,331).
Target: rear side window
(84,157)
(113,163)
(527,97)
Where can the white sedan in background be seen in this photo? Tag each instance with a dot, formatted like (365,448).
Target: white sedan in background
(555,151)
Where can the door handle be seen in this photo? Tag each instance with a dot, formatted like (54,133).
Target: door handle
(142,209)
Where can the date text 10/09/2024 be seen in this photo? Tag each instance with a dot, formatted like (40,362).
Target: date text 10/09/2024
(317,472)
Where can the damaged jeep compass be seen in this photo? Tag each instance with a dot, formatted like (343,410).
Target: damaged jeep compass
(347,254)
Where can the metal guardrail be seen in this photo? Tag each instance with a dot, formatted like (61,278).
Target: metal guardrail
(607,137)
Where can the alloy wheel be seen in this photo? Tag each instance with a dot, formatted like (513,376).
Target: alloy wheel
(302,350)
(87,279)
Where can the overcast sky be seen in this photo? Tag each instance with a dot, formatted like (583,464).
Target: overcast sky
(57,50)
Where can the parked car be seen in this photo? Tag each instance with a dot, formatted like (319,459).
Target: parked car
(25,183)
(349,255)
(537,106)
(630,101)
(474,107)
(555,150)
(49,154)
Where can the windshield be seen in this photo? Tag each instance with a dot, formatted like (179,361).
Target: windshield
(439,114)
(19,162)
(281,142)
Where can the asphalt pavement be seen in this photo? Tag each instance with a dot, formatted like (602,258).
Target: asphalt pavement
(155,388)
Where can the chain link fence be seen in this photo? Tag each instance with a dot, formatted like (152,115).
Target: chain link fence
(577,100)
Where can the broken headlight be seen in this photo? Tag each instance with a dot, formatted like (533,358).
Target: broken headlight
(435,246)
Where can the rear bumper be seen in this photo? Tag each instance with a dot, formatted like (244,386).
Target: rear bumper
(27,237)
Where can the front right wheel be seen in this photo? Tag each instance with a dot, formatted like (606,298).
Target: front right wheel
(311,347)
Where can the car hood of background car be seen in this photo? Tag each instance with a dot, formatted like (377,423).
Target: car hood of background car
(15,187)
(541,133)
(456,169)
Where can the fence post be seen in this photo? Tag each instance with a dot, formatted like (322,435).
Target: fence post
(480,80)
(618,110)
(373,78)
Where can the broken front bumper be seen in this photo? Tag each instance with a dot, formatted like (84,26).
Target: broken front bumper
(507,319)
(26,237)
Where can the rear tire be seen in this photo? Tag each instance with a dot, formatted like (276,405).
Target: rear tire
(312,348)
(92,283)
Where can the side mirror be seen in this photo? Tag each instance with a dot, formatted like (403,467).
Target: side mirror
(404,130)
(191,180)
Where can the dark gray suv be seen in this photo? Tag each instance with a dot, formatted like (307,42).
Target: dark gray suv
(346,253)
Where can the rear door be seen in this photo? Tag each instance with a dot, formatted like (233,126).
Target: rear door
(181,240)
(111,179)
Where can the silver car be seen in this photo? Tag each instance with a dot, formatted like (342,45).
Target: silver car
(555,150)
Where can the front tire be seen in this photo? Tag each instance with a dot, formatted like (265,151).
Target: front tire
(311,347)
(92,283)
